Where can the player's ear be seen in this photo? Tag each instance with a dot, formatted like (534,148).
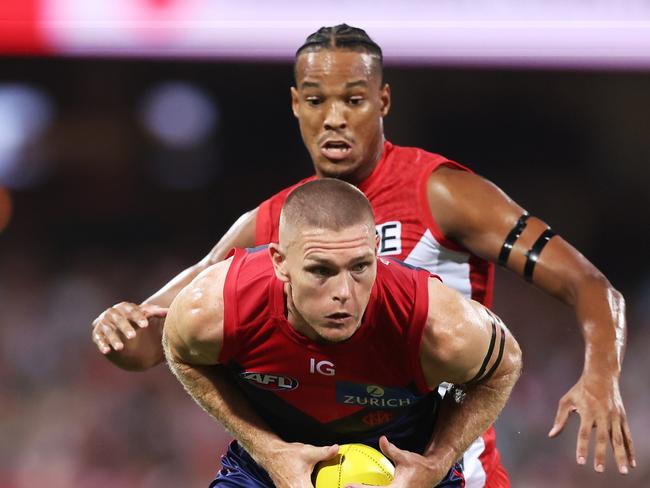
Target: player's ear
(294,101)
(377,242)
(384,96)
(279,261)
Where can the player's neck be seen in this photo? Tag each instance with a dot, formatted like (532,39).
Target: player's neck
(365,170)
(294,317)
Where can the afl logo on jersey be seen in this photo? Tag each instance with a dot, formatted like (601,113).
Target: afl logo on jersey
(268,381)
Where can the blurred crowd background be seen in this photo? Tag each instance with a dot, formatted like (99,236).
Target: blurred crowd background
(117,174)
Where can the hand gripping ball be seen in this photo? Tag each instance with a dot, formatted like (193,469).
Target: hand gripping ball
(354,463)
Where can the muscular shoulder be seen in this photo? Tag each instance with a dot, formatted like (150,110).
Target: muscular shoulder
(449,312)
(449,335)
(194,324)
(466,206)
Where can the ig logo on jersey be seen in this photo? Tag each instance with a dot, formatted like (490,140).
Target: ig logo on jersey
(325,368)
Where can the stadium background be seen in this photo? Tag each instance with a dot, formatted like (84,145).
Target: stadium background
(118,168)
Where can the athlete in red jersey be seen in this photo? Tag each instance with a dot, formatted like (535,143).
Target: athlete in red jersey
(335,346)
(340,101)
(397,192)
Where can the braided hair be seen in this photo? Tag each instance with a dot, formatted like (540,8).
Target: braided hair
(342,36)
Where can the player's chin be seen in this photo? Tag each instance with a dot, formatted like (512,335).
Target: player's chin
(335,338)
(337,168)
(330,332)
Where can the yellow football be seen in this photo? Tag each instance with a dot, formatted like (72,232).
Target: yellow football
(354,463)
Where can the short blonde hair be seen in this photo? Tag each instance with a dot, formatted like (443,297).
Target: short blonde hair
(326,203)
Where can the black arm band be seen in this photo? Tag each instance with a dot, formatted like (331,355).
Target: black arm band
(511,238)
(487,356)
(502,345)
(533,253)
(458,392)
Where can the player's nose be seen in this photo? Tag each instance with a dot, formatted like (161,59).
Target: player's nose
(335,117)
(342,288)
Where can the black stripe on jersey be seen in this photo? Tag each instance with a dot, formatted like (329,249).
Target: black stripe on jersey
(533,253)
(511,238)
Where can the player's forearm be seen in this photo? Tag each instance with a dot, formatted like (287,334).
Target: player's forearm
(460,424)
(599,308)
(165,296)
(213,389)
(600,311)
(241,234)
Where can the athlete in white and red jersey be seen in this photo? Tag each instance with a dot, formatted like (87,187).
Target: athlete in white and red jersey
(333,345)
(340,100)
(406,229)
(397,190)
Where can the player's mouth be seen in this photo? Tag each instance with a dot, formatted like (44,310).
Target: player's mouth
(338,317)
(336,149)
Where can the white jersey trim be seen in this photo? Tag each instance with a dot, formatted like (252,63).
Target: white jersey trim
(452,266)
(475,475)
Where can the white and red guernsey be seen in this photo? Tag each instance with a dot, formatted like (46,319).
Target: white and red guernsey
(397,190)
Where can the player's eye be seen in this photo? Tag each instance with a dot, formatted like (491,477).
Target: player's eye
(355,100)
(360,267)
(320,271)
(313,101)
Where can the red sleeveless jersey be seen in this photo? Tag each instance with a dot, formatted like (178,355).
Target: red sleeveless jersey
(353,391)
(397,191)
